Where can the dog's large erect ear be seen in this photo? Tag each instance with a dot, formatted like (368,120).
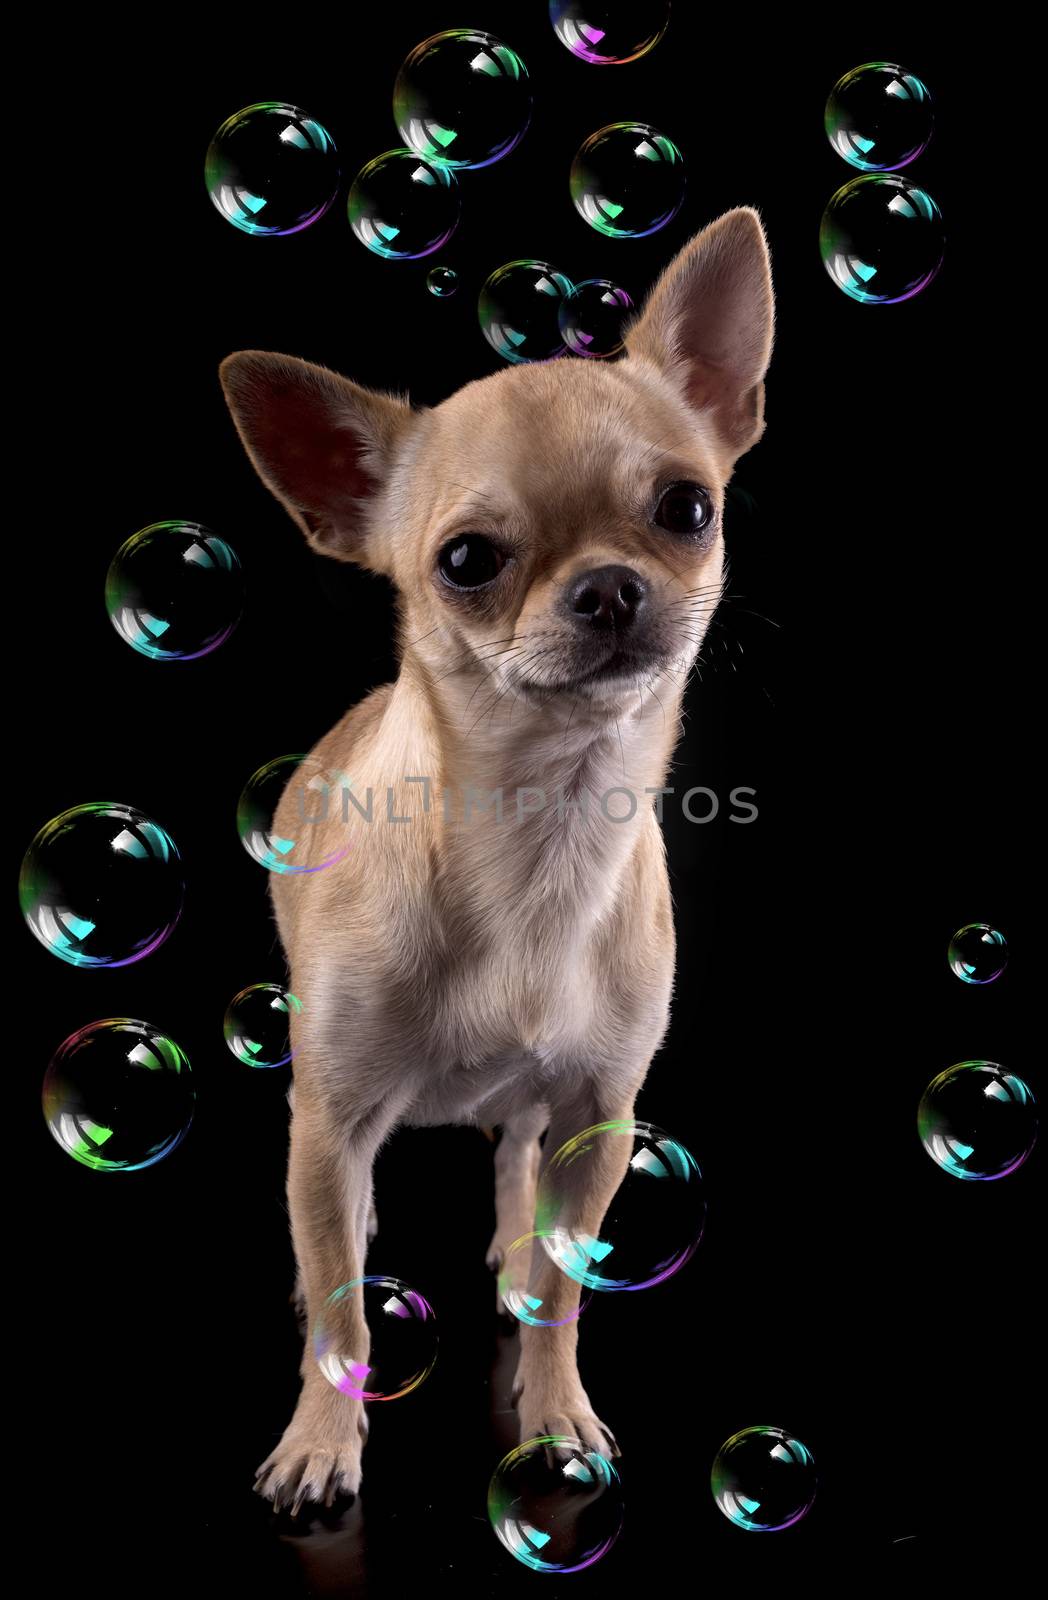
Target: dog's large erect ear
(708,324)
(320,443)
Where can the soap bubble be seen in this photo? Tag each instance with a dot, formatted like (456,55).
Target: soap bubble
(174,591)
(627,180)
(462,98)
(271,169)
(118,1095)
(881,239)
(555,1504)
(402,1347)
(514,1293)
(879,117)
(519,310)
(402,207)
(604,32)
(442,282)
(763,1479)
(314,827)
(978,953)
(257,1024)
(656,1217)
(101,885)
(977,1121)
(592,316)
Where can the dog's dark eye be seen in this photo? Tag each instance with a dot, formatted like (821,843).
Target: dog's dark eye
(684,508)
(470,561)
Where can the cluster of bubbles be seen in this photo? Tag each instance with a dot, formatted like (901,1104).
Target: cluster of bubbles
(461,101)
(881,235)
(556,1504)
(118,1094)
(530,311)
(977,1120)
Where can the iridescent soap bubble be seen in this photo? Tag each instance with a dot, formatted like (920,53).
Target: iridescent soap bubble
(978,953)
(257,1024)
(656,1217)
(101,885)
(174,591)
(515,1295)
(881,239)
(627,180)
(763,1479)
(402,207)
(313,829)
(118,1095)
(272,169)
(462,98)
(442,282)
(555,1504)
(977,1120)
(606,32)
(519,310)
(879,117)
(402,1347)
(592,318)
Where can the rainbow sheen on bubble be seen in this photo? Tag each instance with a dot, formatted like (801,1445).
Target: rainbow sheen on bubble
(402,207)
(518,1298)
(592,318)
(375,1339)
(118,1095)
(519,310)
(174,591)
(763,1479)
(309,831)
(654,1222)
(555,1504)
(627,180)
(271,169)
(462,98)
(257,1024)
(879,117)
(881,239)
(609,32)
(977,1121)
(442,282)
(101,885)
(978,953)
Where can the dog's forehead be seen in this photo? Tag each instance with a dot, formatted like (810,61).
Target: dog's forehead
(566,426)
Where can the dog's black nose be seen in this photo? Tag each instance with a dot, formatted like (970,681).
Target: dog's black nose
(607,597)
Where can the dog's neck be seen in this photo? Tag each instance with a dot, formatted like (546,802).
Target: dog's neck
(498,740)
(541,806)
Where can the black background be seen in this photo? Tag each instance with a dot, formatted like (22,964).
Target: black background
(861,677)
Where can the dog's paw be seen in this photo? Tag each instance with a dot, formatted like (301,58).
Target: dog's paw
(372,1222)
(310,1468)
(569,1414)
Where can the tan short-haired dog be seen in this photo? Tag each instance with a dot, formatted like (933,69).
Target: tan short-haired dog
(554,536)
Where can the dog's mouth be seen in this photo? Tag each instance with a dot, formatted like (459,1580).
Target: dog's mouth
(616,670)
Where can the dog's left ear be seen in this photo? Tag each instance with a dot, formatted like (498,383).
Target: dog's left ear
(708,325)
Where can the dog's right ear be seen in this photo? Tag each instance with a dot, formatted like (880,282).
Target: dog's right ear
(323,446)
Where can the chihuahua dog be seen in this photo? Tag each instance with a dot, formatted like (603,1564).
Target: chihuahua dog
(554,536)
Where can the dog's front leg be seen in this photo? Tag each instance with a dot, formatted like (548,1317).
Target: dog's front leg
(549,1394)
(329,1190)
(517,1157)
